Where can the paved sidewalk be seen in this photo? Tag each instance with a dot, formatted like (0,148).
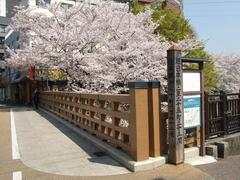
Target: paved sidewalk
(41,142)
(224,169)
(59,150)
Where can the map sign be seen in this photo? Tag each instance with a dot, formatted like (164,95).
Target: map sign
(192,111)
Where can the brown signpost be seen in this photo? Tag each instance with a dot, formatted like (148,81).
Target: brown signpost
(175,106)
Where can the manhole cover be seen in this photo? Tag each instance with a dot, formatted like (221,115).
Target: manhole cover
(100,154)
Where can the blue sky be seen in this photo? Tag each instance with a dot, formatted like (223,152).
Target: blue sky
(217,22)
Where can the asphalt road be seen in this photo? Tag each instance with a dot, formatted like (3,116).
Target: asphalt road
(225,169)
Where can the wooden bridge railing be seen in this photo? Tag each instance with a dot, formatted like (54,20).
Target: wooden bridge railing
(124,121)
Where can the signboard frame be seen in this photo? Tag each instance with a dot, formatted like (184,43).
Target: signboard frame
(175,70)
(193,79)
(199,70)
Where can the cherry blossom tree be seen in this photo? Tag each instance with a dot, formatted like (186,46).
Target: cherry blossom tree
(100,48)
(228,67)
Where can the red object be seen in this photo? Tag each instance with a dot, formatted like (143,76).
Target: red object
(31,73)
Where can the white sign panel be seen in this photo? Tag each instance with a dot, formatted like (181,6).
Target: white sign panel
(191,81)
(192,111)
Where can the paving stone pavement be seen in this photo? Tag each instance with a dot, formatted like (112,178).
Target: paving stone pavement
(47,147)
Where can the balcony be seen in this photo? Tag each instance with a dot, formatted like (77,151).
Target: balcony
(1,56)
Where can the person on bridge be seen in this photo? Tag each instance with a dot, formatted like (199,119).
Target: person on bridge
(35,99)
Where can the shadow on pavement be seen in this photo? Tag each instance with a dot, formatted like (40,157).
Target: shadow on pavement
(96,157)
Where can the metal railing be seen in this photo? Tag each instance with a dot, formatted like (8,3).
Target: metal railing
(222,114)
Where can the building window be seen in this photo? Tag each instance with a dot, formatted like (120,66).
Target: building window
(1,56)
(2,29)
(66,6)
(2,40)
(47,1)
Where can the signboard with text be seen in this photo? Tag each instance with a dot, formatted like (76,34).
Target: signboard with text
(191,81)
(192,111)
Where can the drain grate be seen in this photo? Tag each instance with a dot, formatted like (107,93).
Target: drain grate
(100,154)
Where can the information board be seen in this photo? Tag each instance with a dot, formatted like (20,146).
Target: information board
(192,111)
(191,81)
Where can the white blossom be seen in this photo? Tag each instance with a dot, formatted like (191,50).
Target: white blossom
(100,48)
(228,68)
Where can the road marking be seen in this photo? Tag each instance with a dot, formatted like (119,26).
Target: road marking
(15,149)
(17,175)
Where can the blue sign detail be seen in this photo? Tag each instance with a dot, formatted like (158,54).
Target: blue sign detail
(192,111)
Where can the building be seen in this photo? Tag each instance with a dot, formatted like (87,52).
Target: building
(67,3)
(176,5)
(7,6)
(170,4)
(63,3)
(17,86)
(4,21)
(8,38)
(6,35)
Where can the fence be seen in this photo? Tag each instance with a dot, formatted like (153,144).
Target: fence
(130,122)
(222,114)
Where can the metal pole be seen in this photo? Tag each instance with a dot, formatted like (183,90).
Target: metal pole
(202,129)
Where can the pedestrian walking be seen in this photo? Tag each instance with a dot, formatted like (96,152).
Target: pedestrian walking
(35,99)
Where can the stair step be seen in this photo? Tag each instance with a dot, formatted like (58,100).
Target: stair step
(200,160)
(191,152)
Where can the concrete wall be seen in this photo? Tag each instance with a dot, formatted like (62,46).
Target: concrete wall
(234,144)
